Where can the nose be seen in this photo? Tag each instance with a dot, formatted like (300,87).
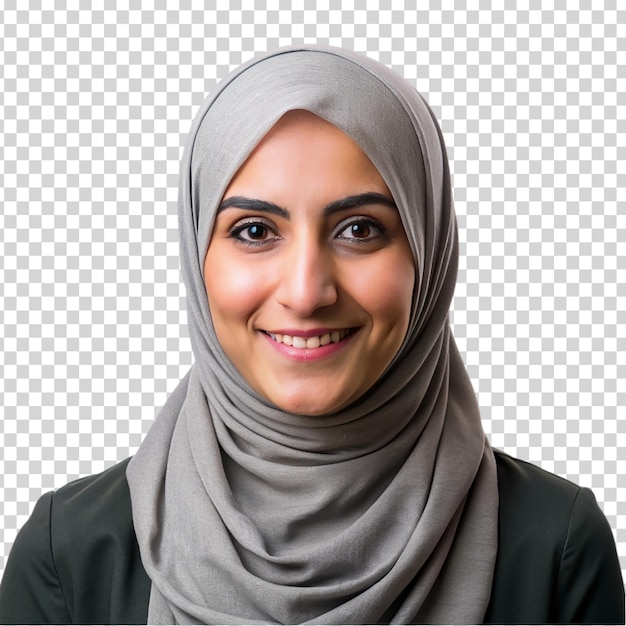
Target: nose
(307,280)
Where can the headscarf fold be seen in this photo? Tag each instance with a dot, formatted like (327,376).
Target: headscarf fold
(383,512)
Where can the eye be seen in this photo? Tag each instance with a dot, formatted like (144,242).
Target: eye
(361,229)
(255,232)
(252,232)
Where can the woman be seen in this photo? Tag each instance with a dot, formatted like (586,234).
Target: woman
(323,461)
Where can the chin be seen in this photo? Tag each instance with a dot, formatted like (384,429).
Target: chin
(310,395)
(308,409)
(309,406)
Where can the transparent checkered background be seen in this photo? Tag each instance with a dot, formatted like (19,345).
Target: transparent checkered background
(94,108)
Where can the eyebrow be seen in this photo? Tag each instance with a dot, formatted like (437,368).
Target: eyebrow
(350,202)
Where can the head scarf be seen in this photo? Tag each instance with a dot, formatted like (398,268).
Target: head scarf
(383,512)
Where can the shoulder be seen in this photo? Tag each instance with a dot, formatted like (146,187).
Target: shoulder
(528,492)
(82,538)
(91,512)
(105,580)
(30,591)
(94,502)
(557,560)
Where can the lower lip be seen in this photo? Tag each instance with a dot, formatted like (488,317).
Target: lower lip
(309,354)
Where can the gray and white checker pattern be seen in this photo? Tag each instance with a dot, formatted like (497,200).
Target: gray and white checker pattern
(94,107)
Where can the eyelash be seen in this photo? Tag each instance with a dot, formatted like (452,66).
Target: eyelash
(363,221)
(380,231)
(236,231)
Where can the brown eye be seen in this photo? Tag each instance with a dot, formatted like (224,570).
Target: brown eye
(361,229)
(255,231)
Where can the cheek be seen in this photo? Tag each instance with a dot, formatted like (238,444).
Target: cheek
(386,292)
(233,290)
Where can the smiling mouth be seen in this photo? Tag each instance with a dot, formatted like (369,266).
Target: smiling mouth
(310,343)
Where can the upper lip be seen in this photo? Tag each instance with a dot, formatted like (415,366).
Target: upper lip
(311,332)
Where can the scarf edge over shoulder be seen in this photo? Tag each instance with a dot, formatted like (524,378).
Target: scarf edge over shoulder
(246,514)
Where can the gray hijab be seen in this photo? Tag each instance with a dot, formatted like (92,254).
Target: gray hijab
(384,512)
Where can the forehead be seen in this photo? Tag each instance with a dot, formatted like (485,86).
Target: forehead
(307,155)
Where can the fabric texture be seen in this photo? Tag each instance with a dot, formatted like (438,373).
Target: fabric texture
(76,560)
(385,511)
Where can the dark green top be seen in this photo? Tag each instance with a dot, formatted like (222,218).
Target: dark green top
(77,561)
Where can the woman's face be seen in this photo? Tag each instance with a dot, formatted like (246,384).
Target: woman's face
(309,274)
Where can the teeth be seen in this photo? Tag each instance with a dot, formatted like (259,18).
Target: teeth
(298,342)
(310,342)
(313,342)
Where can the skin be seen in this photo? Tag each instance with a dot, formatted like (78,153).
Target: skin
(289,254)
